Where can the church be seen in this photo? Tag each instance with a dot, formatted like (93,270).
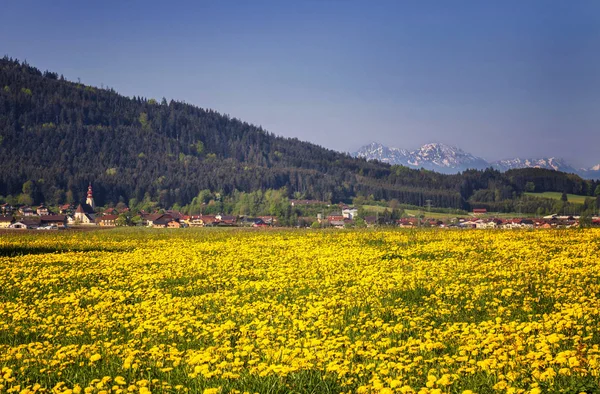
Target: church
(85,214)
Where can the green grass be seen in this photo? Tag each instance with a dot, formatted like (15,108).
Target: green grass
(375,208)
(372,209)
(574,198)
(434,215)
(414,212)
(504,215)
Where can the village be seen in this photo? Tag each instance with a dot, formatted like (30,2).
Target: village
(85,215)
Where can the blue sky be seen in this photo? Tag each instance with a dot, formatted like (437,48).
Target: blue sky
(496,78)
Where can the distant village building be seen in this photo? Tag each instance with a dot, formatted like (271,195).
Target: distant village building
(24,224)
(90,198)
(162,222)
(335,217)
(65,208)
(200,220)
(155,219)
(269,220)
(59,221)
(84,214)
(6,209)
(226,219)
(207,220)
(42,210)
(337,223)
(173,223)
(350,213)
(5,221)
(107,220)
(20,225)
(26,211)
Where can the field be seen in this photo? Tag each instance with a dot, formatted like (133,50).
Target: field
(305,311)
(372,209)
(574,198)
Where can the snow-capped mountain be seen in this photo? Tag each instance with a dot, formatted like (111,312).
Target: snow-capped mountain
(376,151)
(449,159)
(435,156)
(549,163)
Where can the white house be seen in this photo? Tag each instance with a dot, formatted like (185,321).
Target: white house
(350,213)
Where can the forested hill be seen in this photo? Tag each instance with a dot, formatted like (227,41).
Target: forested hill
(60,135)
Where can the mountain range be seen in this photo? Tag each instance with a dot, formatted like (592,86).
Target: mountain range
(57,136)
(449,159)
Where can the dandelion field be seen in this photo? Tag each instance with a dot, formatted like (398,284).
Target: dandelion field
(216,311)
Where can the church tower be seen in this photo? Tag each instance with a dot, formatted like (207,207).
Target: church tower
(90,198)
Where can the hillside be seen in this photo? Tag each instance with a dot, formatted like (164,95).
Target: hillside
(57,135)
(557,196)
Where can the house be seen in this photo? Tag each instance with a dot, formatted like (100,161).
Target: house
(110,211)
(193,220)
(6,209)
(518,223)
(337,223)
(54,220)
(42,210)
(6,221)
(247,221)
(467,224)
(349,213)
(510,224)
(209,220)
(25,224)
(200,220)
(26,211)
(335,217)
(165,221)
(107,220)
(485,224)
(526,223)
(226,219)
(65,208)
(150,219)
(479,211)
(174,224)
(160,222)
(408,222)
(18,226)
(270,220)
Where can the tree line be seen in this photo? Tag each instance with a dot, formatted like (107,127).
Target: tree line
(56,136)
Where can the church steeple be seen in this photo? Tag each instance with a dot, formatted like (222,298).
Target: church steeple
(90,198)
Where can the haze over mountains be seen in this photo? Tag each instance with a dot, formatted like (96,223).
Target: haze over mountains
(451,160)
